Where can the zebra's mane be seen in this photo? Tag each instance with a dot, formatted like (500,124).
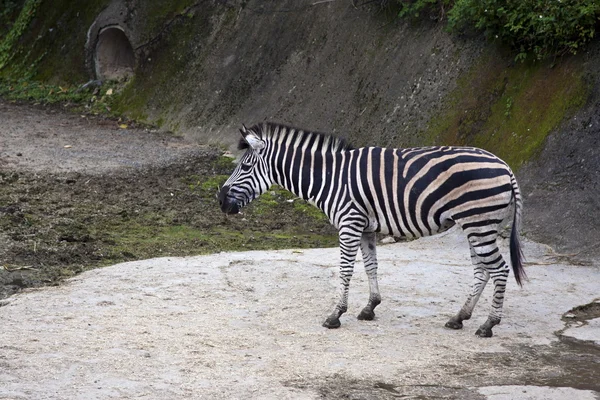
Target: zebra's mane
(266,131)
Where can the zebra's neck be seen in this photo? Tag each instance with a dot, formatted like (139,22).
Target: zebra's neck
(302,161)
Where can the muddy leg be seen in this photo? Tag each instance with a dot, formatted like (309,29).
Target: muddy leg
(369,252)
(349,243)
(479,281)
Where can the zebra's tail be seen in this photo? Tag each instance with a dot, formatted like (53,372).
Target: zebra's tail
(516,253)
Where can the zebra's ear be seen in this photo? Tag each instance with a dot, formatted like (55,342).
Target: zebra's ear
(252,139)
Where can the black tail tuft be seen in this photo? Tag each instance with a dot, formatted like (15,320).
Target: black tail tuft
(516,253)
(516,256)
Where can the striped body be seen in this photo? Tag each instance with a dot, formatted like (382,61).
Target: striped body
(414,192)
(401,192)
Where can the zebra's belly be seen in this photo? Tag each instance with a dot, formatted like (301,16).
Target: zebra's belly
(389,226)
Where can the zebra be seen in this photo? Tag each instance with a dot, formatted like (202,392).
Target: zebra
(407,193)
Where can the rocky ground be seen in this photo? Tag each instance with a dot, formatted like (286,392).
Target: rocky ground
(79,192)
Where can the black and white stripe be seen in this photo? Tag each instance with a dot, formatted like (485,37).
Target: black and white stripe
(401,192)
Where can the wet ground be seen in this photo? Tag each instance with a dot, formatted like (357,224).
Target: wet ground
(79,192)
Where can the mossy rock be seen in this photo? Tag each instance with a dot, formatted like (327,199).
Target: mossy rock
(509,110)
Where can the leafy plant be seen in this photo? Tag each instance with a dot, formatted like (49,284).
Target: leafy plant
(541,28)
(91,99)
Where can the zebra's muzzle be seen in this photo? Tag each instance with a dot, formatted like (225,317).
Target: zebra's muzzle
(229,205)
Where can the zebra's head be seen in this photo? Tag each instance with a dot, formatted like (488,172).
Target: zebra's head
(251,177)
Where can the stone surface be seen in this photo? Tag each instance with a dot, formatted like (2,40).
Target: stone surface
(248,325)
(535,393)
(590,331)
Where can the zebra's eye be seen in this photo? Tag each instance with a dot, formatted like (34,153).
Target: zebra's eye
(246,166)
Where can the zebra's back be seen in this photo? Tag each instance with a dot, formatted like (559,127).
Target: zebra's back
(423,191)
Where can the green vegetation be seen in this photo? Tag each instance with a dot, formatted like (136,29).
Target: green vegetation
(42,58)
(92,100)
(17,29)
(309,210)
(539,28)
(8,14)
(59,226)
(39,48)
(277,200)
(168,69)
(207,185)
(509,111)
(24,90)
(157,12)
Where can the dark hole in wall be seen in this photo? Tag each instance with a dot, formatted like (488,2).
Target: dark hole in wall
(114,57)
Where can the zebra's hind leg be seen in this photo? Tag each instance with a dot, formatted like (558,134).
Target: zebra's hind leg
(499,274)
(369,252)
(349,243)
(488,254)
(479,281)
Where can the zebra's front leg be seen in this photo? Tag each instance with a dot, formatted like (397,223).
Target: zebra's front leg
(349,243)
(369,253)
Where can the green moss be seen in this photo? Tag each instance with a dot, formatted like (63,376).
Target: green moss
(540,99)
(153,235)
(267,203)
(50,49)
(279,200)
(162,69)
(63,228)
(224,163)
(221,167)
(7,45)
(156,13)
(134,240)
(133,101)
(467,105)
(213,184)
(167,66)
(508,110)
(9,12)
(309,210)
(184,47)
(205,185)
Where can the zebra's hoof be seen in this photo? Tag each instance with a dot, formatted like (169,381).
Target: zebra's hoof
(366,315)
(332,323)
(484,332)
(454,324)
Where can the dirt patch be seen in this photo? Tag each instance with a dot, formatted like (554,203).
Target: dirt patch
(584,312)
(82,192)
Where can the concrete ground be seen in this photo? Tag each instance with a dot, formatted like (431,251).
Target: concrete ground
(248,326)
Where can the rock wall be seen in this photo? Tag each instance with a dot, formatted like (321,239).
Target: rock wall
(321,65)
(562,184)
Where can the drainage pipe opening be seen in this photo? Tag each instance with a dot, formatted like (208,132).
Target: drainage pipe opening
(113,57)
